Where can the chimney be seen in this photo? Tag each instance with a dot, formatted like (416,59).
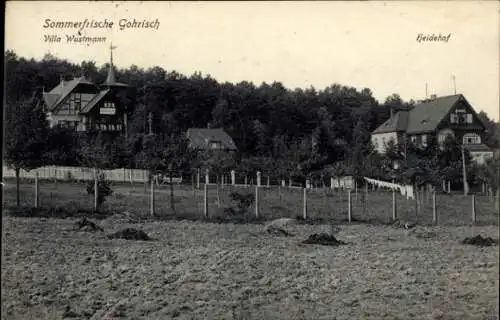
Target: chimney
(433,96)
(62,81)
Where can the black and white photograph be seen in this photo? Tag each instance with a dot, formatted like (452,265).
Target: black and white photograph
(251,160)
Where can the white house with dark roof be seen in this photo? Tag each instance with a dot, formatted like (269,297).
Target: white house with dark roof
(438,117)
(83,105)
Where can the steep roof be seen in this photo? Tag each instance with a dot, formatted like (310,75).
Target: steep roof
(200,137)
(425,117)
(98,97)
(55,96)
(111,78)
(397,123)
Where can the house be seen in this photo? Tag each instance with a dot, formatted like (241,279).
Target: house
(84,105)
(210,139)
(437,117)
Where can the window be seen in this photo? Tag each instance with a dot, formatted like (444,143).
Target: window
(78,102)
(424,140)
(471,138)
(468,118)
(443,134)
(453,118)
(215,145)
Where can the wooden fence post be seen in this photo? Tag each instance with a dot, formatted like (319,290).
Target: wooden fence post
(198,178)
(268,181)
(434,212)
(233,177)
(152,198)
(349,206)
(417,206)
(473,209)
(207,177)
(258,178)
(356,189)
(304,209)
(37,191)
(96,192)
(332,182)
(394,206)
(256,201)
(205,200)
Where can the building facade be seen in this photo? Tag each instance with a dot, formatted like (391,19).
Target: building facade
(202,139)
(439,118)
(83,105)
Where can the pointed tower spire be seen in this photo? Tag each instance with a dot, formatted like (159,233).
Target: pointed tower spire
(111,71)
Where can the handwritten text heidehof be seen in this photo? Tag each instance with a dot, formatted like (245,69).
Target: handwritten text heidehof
(123,24)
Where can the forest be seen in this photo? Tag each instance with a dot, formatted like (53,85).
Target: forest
(286,133)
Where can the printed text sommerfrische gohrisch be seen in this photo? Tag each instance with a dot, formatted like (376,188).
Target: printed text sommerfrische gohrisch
(123,24)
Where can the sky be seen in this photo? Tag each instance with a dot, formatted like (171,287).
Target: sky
(301,44)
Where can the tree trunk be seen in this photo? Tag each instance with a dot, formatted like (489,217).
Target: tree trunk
(172,206)
(18,198)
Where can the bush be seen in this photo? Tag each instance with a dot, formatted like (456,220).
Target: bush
(240,203)
(243,201)
(103,188)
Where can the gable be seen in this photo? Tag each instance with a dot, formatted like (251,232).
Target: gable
(463,115)
(61,92)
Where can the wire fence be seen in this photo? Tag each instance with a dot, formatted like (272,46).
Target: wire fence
(265,202)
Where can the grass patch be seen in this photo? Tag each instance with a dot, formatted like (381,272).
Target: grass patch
(323,206)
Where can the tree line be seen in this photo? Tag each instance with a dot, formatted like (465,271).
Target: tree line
(285,133)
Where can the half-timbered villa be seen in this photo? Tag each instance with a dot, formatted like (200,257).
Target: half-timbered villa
(438,117)
(84,105)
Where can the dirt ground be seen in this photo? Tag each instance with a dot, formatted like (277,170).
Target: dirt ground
(196,270)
